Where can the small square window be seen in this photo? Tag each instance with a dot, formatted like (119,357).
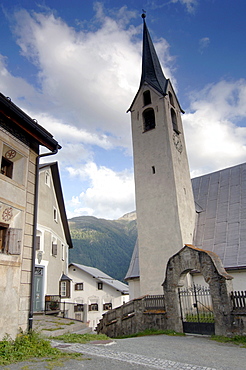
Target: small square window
(79,307)
(79,286)
(107,306)
(7,167)
(93,307)
(99,286)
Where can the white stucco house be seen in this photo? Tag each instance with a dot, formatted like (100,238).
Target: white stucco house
(53,237)
(20,141)
(93,292)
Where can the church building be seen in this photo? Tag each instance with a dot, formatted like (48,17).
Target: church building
(173,210)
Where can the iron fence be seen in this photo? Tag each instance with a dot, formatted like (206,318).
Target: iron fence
(238,300)
(154,302)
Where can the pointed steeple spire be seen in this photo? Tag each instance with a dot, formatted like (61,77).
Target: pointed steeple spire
(151,69)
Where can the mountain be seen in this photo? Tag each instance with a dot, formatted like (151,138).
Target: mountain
(104,244)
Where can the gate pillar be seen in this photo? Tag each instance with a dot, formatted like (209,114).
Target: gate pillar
(210,266)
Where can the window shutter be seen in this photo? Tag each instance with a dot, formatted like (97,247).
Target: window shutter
(13,241)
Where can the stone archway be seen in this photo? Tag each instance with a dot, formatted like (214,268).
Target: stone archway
(210,266)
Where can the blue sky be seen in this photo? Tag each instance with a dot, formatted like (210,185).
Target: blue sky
(75,66)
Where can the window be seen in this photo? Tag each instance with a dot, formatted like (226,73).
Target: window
(13,164)
(79,286)
(55,214)
(54,248)
(65,288)
(153,170)
(63,252)
(3,233)
(174,121)
(171,98)
(10,239)
(47,178)
(7,167)
(147,97)
(99,286)
(38,238)
(149,119)
(107,306)
(78,307)
(93,307)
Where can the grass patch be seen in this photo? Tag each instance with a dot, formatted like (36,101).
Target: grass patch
(28,346)
(237,339)
(53,329)
(80,338)
(151,332)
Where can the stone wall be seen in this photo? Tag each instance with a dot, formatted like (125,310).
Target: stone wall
(133,317)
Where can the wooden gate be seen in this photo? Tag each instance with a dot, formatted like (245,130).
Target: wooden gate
(196,310)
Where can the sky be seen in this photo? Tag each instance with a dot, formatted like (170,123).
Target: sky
(75,67)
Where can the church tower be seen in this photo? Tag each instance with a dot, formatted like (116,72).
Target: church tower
(164,197)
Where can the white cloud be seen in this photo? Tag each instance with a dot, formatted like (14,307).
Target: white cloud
(86,80)
(213,138)
(190,4)
(110,194)
(203,44)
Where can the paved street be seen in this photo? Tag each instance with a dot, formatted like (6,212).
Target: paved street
(153,352)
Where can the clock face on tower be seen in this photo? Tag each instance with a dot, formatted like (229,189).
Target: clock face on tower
(177,142)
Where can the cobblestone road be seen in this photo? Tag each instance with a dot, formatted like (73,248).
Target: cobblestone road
(130,358)
(150,352)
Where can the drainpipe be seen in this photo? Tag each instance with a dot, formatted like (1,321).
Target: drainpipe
(35,218)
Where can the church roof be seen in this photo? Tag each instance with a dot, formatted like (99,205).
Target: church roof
(221,225)
(220,201)
(151,69)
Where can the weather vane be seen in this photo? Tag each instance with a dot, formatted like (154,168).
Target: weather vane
(144,13)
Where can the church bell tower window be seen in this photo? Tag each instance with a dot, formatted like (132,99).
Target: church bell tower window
(171,98)
(146,97)
(174,121)
(148,119)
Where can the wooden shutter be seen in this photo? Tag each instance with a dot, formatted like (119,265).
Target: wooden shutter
(13,241)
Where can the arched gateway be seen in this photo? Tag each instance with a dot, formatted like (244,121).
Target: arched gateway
(220,283)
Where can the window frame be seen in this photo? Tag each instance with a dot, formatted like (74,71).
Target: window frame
(64,288)
(148,119)
(79,286)
(93,307)
(100,285)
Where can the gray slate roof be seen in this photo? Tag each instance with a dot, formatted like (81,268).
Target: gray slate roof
(220,201)
(104,278)
(221,225)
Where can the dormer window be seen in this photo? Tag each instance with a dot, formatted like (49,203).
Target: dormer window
(147,97)
(174,121)
(148,119)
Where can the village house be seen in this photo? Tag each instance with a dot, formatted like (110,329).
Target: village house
(20,141)
(93,293)
(53,239)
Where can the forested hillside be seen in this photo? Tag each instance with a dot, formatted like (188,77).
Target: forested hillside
(104,244)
